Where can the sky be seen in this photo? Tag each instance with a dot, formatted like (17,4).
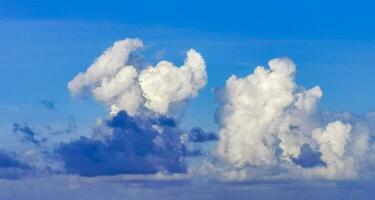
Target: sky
(44,45)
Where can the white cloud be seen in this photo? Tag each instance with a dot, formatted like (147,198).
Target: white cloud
(122,85)
(332,142)
(165,83)
(265,118)
(108,64)
(250,107)
(121,92)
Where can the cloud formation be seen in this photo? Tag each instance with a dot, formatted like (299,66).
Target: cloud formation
(268,122)
(138,137)
(121,84)
(27,134)
(165,83)
(129,145)
(269,126)
(105,66)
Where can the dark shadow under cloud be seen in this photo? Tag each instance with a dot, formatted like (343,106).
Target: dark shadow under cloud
(198,135)
(308,158)
(136,145)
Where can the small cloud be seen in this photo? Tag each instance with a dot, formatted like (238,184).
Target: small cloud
(27,134)
(49,105)
(198,135)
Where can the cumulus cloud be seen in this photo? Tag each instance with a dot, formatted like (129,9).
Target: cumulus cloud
(250,106)
(121,84)
(332,141)
(139,136)
(268,124)
(105,66)
(122,92)
(129,145)
(165,83)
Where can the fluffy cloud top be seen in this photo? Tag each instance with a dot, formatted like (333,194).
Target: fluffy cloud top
(250,106)
(165,83)
(122,85)
(268,125)
(105,66)
(138,137)
(267,121)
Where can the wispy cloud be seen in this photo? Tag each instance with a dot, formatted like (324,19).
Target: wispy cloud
(49,105)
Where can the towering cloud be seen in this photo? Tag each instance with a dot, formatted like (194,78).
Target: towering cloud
(138,137)
(123,85)
(268,125)
(250,106)
(268,122)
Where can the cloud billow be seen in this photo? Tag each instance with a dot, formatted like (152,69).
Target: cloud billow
(139,136)
(268,122)
(135,145)
(269,126)
(122,84)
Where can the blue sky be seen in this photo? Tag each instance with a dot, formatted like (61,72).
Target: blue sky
(44,44)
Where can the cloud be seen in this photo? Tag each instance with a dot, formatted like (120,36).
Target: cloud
(249,107)
(138,137)
(268,126)
(130,145)
(186,81)
(49,105)
(27,134)
(104,66)
(308,157)
(8,160)
(11,167)
(123,84)
(198,135)
(121,92)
